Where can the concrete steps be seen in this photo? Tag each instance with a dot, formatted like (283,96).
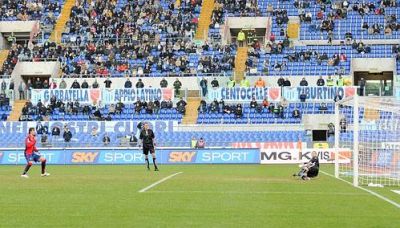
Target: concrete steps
(191,110)
(16,110)
(204,19)
(62,20)
(240,63)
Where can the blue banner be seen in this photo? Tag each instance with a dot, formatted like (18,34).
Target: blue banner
(84,96)
(86,126)
(318,93)
(106,96)
(241,94)
(110,96)
(135,156)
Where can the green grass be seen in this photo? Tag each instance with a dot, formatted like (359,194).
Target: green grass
(202,196)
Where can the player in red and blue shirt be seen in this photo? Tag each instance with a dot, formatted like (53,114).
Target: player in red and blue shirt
(32,154)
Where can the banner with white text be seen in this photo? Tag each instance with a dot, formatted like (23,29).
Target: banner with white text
(240,94)
(318,93)
(106,96)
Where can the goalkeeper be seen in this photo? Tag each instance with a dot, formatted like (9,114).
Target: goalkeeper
(309,169)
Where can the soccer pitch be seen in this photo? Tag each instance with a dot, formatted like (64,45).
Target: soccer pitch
(200,196)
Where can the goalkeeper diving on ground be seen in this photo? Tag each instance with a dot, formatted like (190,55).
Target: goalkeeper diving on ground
(309,169)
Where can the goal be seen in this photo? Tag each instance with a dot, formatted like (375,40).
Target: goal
(367,141)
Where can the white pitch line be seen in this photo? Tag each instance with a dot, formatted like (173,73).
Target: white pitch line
(159,182)
(262,193)
(367,190)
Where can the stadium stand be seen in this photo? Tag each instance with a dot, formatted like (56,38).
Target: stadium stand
(123,38)
(47,12)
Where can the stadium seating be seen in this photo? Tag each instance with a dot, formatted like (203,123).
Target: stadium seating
(174,139)
(312,67)
(46,12)
(251,116)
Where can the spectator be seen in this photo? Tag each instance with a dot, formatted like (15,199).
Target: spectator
(67,135)
(265,103)
(241,37)
(150,107)
(38,84)
(39,128)
(55,131)
(112,110)
(193,143)
(337,97)
(94,132)
(163,83)
(21,90)
(214,106)
(202,107)
(138,106)
(97,115)
(177,87)
(296,113)
(340,81)
(108,83)
(361,85)
(303,82)
(53,84)
(245,82)
(201,143)
(133,140)
(95,84)
(75,85)
(329,81)
(320,81)
(43,139)
(3,86)
(281,82)
(63,84)
(128,84)
(231,83)
(139,84)
(106,139)
(204,87)
(214,83)
(302,97)
(239,111)
(323,108)
(260,83)
(287,83)
(253,103)
(181,106)
(45,85)
(84,85)
(343,125)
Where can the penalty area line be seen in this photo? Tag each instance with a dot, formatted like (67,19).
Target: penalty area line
(159,182)
(367,190)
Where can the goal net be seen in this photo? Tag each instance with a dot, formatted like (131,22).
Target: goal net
(367,141)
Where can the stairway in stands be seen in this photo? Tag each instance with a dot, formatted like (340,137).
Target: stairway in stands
(205,19)
(191,110)
(62,20)
(16,110)
(240,63)
(293,28)
(3,57)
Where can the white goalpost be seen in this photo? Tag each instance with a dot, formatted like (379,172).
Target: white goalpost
(367,141)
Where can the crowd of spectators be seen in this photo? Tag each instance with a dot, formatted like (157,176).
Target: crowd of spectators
(45,11)
(277,109)
(43,110)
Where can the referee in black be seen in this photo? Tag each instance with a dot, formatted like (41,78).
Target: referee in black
(147,137)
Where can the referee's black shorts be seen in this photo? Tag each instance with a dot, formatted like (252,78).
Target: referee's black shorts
(148,149)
